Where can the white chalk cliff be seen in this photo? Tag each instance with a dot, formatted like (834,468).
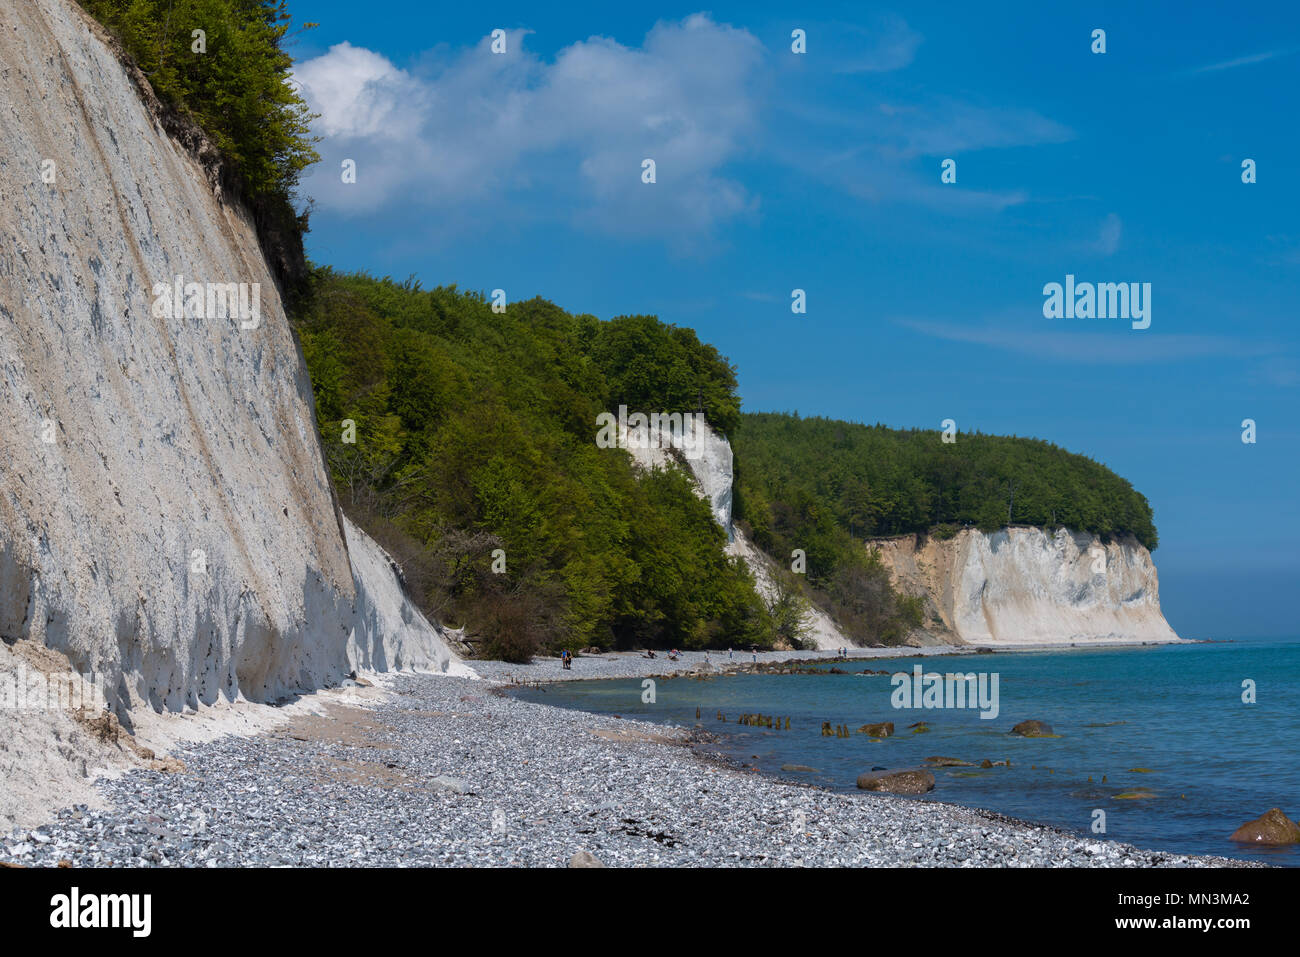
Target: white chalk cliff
(1027,586)
(166,520)
(709,458)
(1018,586)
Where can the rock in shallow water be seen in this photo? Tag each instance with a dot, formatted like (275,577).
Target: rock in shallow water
(1032,729)
(1271,827)
(882,730)
(910,781)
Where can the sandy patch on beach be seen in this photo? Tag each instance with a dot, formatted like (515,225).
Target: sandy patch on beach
(52,758)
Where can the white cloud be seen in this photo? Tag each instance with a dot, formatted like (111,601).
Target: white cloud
(1096,341)
(1107,241)
(1239,61)
(892,152)
(505,132)
(357,93)
(949,127)
(884,45)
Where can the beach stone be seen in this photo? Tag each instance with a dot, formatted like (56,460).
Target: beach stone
(584,859)
(882,730)
(445,782)
(1032,729)
(1271,827)
(909,781)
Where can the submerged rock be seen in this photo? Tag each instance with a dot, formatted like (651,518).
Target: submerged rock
(1034,729)
(882,730)
(937,761)
(909,781)
(1137,794)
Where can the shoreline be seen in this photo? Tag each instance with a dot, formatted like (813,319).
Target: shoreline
(633,664)
(629,665)
(429,770)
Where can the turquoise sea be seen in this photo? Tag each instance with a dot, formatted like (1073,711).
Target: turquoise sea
(1212,761)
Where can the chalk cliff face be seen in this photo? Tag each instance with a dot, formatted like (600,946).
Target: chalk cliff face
(709,458)
(1028,586)
(1017,586)
(165,516)
(706,453)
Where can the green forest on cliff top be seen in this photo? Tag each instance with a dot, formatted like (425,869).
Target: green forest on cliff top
(473,431)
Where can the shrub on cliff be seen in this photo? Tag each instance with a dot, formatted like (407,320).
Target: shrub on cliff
(234,82)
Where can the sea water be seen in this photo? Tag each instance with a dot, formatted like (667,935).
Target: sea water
(1211,731)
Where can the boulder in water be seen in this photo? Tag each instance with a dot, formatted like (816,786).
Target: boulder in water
(1033,729)
(937,761)
(909,781)
(882,730)
(1271,827)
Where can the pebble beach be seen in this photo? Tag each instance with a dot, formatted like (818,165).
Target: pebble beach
(440,771)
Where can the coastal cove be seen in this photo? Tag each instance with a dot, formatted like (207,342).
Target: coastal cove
(1155,737)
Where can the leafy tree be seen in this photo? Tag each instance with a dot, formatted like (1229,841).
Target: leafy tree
(237,88)
(475,432)
(826,486)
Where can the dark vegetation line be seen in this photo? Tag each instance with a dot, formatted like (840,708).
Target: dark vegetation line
(806,474)
(823,486)
(464,440)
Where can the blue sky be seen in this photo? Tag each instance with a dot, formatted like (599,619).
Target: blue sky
(821,171)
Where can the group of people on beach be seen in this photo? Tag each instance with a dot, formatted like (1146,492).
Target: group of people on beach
(566,659)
